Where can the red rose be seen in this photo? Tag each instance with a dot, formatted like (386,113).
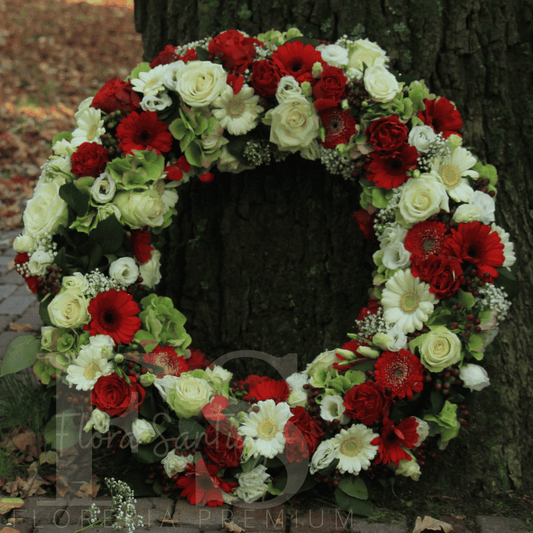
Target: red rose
(387,134)
(366,403)
(265,78)
(365,223)
(371,308)
(331,86)
(235,49)
(168,55)
(444,274)
(113,395)
(21,259)
(223,445)
(250,382)
(269,389)
(89,160)
(197,360)
(116,95)
(302,433)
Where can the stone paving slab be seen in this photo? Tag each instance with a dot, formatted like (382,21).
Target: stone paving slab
(7,290)
(201,517)
(499,524)
(16,305)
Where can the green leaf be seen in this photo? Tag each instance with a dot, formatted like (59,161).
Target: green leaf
(60,136)
(190,429)
(353,505)
(141,67)
(109,234)
(145,454)
(62,430)
(355,487)
(437,402)
(76,200)
(466,299)
(475,343)
(20,354)
(508,282)
(236,149)
(203,54)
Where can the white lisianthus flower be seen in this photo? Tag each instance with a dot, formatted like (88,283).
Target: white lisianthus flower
(175,464)
(252,484)
(508,247)
(408,467)
(63,148)
(452,169)
(104,343)
(217,373)
(422,431)
(103,189)
(266,427)
(332,408)
(298,395)
(90,127)
(68,309)
(294,124)
(229,163)
(237,113)
(106,210)
(407,301)
(150,271)
(46,211)
(156,102)
(288,87)
(392,235)
(311,152)
(90,365)
(420,198)
(248,449)
(474,377)
(480,207)
(439,349)
(138,209)
(393,341)
(53,171)
(151,82)
(189,395)
(333,54)
(77,282)
(323,456)
(396,256)
(99,421)
(38,262)
(322,361)
(172,74)
(25,243)
(421,138)
(366,53)
(353,449)
(380,84)
(143,431)
(201,82)
(166,385)
(124,270)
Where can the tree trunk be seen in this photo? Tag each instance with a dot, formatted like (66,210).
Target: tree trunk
(273,262)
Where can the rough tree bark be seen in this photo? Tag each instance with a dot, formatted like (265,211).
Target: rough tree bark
(275,263)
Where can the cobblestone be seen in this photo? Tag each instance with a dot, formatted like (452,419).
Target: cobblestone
(16,305)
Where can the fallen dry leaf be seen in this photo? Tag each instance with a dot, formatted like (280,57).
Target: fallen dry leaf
(8,504)
(21,328)
(28,443)
(168,521)
(49,457)
(89,489)
(62,485)
(9,530)
(432,525)
(232,527)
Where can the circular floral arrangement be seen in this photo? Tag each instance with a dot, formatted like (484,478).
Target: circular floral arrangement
(385,402)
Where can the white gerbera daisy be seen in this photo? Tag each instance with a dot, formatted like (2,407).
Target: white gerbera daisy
(452,168)
(90,127)
(151,82)
(237,113)
(266,426)
(156,102)
(407,301)
(508,246)
(353,449)
(90,365)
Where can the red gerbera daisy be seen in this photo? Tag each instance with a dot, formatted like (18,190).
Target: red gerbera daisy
(425,239)
(442,116)
(201,485)
(140,245)
(388,171)
(167,358)
(402,372)
(144,132)
(114,313)
(392,439)
(277,390)
(477,244)
(339,126)
(296,59)
(365,223)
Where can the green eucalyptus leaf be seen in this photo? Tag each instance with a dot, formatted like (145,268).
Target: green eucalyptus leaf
(355,487)
(353,505)
(21,353)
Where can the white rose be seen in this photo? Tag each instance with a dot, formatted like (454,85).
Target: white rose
(439,349)
(252,484)
(39,261)
(467,213)
(294,124)
(46,211)
(150,271)
(104,343)
(124,270)
(99,421)
(166,385)
(217,373)
(143,431)
(392,235)
(322,361)
(421,198)
(475,377)
(172,74)
(69,309)
(201,82)
(381,85)
(332,408)
(174,464)
(23,243)
(323,456)
(480,207)
(408,468)
(138,209)
(228,163)
(396,256)
(189,396)
(77,282)
(333,54)
(367,53)
(288,87)
(421,138)
(104,188)
(298,395)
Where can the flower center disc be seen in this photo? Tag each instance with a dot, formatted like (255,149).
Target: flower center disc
(267,428)
(235,108)
(351,447)
(450,175)
(91,134)
(91,370)
(409,302)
